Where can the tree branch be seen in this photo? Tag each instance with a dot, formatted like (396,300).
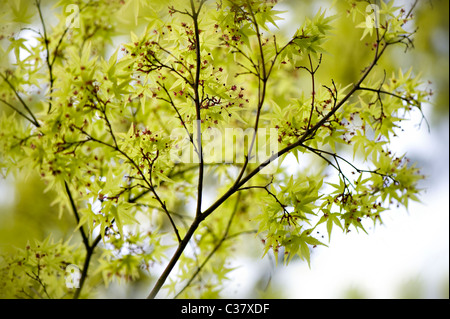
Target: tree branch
(19,112)
(47,58)
(77,216)
(34,121)
(195,14)
(216,247)
(87,260)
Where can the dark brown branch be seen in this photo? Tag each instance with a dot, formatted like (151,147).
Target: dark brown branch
(286,214)
(89,247)
(47,58)
(337,157)
(262,85)
(34,121)
(77,216)
(312,71)
(216,247)
(18,111)
(171,102)
(195,15)
(65,32)
(379,91)
(87,260)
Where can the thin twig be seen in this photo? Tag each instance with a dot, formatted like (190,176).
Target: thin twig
(34,121)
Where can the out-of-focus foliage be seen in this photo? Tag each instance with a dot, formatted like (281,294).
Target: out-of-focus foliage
(93,120)
(31,215)
(432,51)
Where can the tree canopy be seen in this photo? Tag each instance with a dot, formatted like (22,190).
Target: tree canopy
(159,135)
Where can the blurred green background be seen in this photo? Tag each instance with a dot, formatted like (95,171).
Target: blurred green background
(418,259)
